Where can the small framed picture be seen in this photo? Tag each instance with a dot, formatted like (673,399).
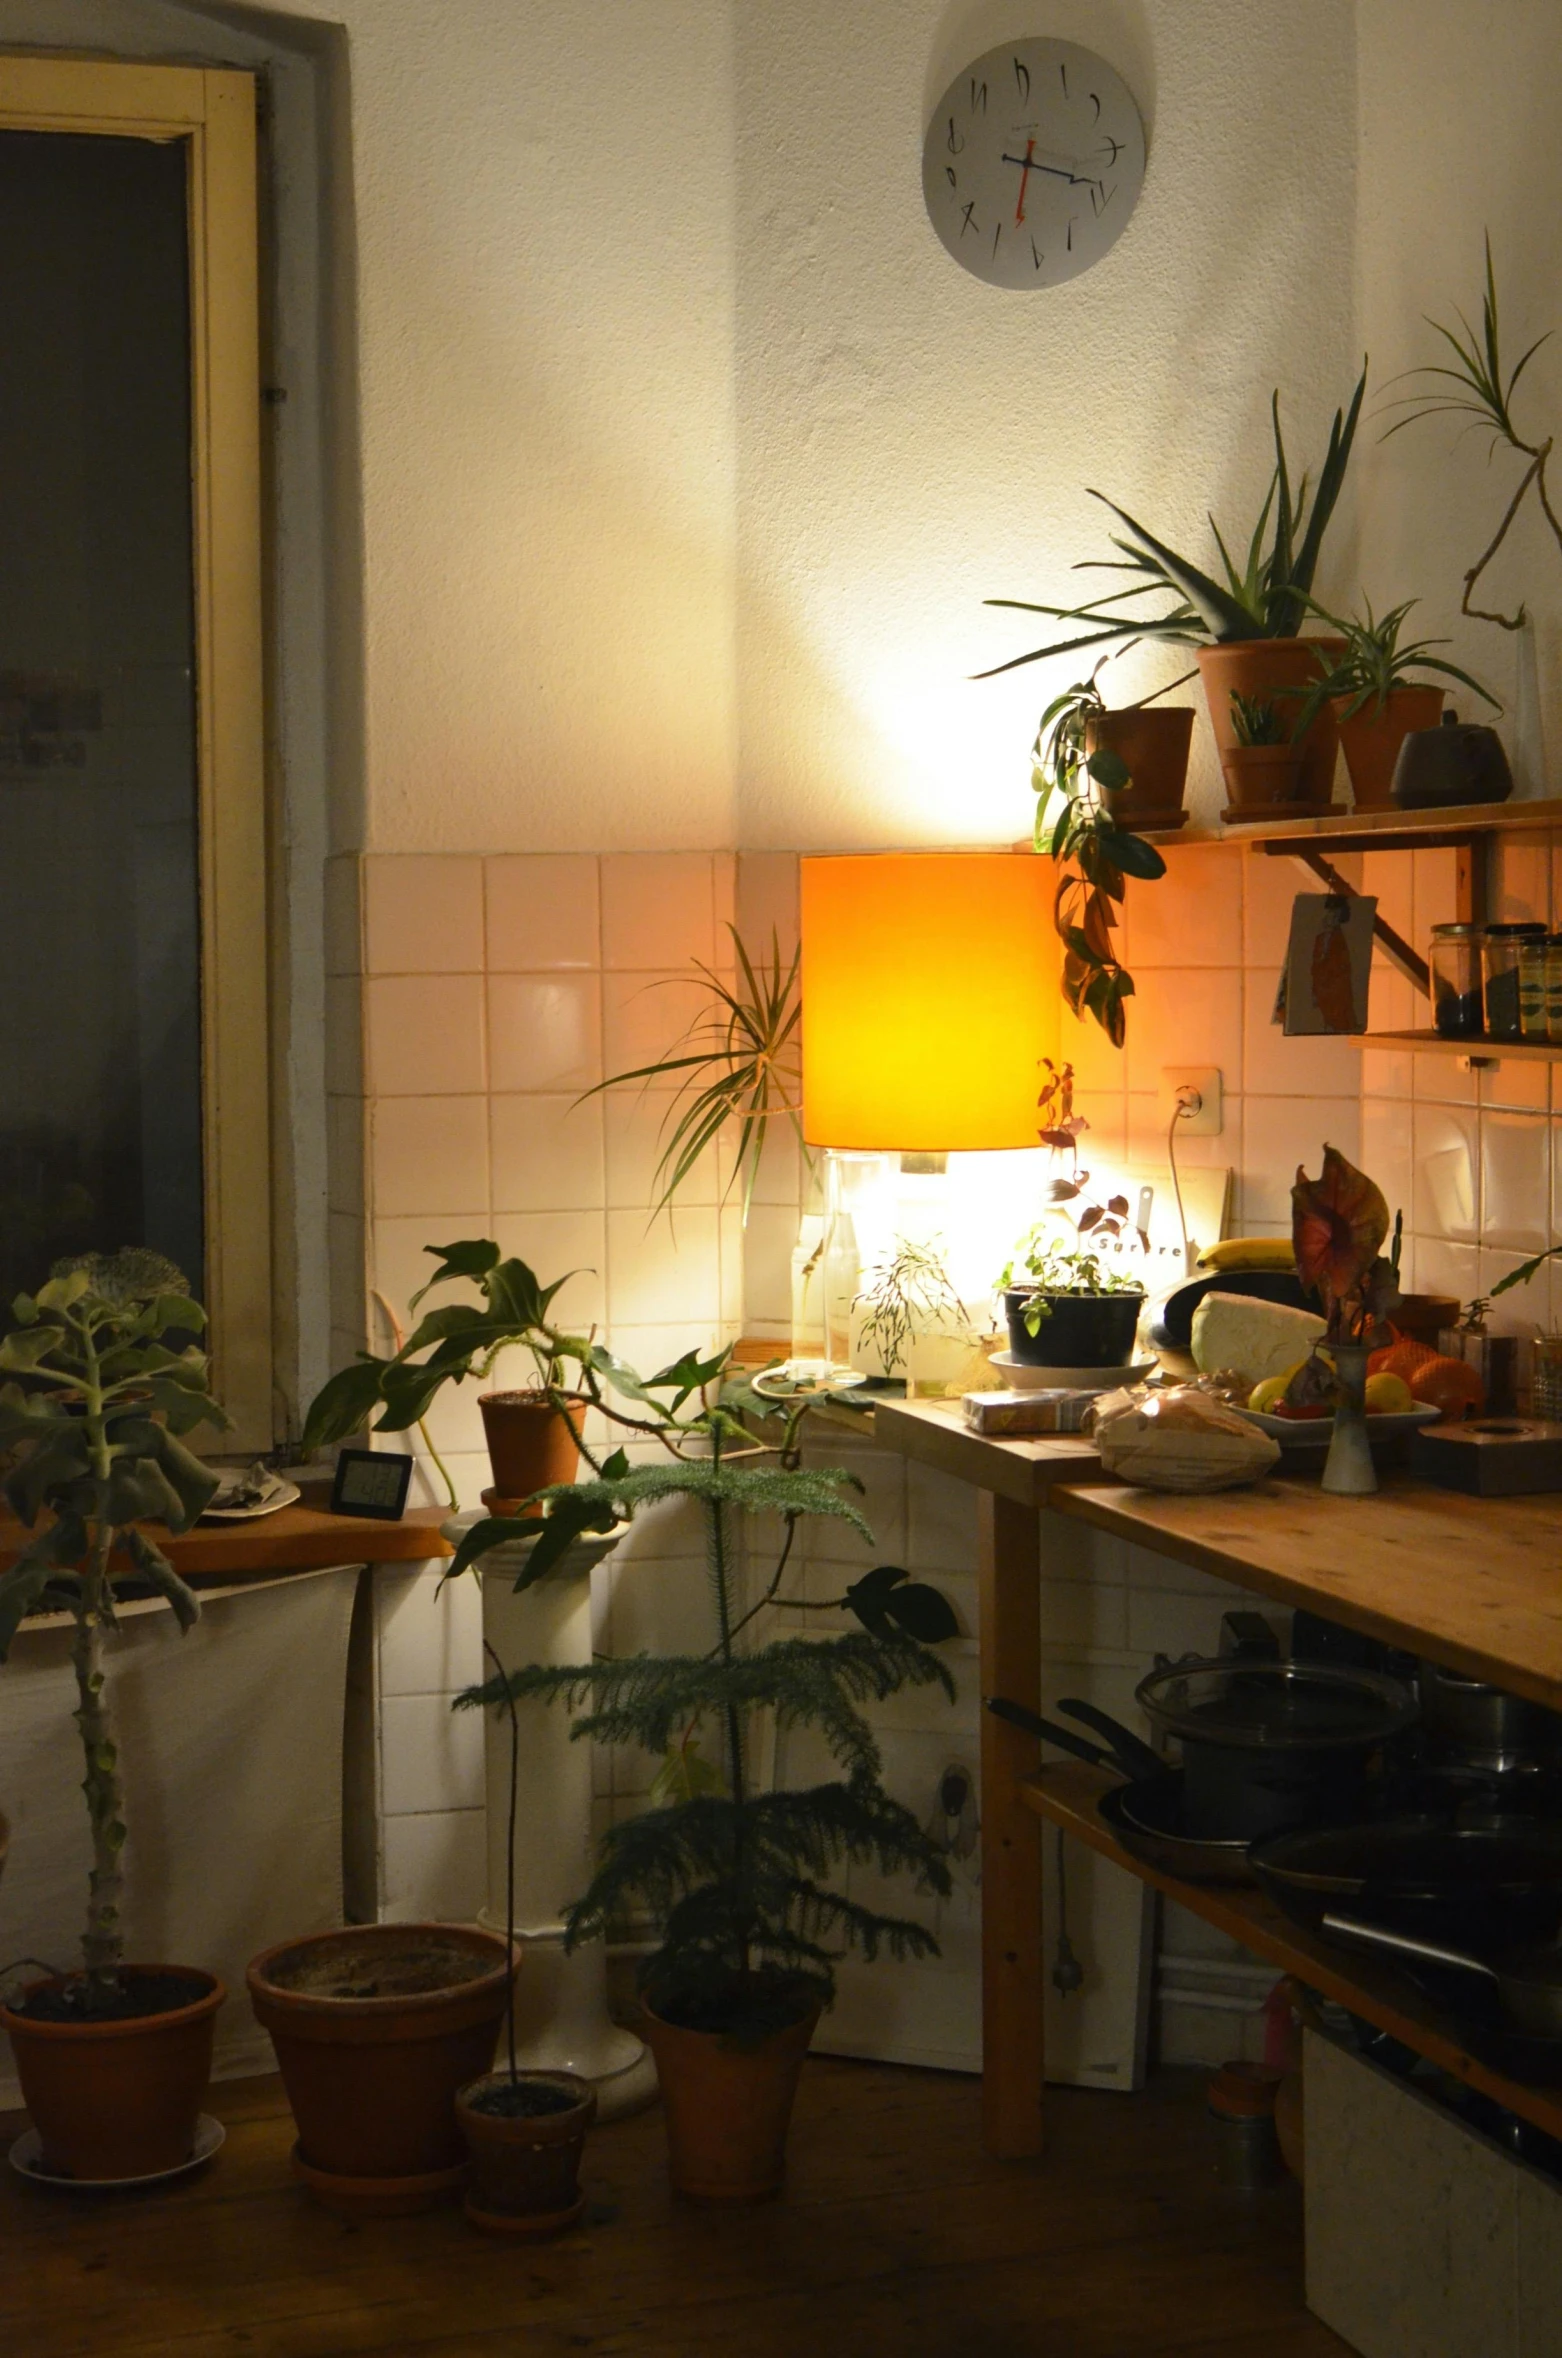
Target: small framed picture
(371,1482)
(1329,963)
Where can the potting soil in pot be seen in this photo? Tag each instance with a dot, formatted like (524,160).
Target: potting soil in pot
(375,1970)
(138,1996)
(524,2100)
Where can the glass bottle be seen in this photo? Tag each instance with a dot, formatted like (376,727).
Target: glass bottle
(1458,1009)
(1500,947)
(1534,956)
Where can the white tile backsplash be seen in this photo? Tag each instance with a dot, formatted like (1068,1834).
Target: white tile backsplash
(431,1758)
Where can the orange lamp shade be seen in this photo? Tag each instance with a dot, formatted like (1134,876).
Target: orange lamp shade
(930,996)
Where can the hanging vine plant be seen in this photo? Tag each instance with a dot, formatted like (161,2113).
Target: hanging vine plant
(1094,856)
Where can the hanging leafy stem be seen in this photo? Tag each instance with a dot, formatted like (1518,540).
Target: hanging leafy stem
(94,1406)
(742,1063)
(1094,856)
(1053,1257)
(750,1930)
(1475,386)
(907,1294)
(1265,597)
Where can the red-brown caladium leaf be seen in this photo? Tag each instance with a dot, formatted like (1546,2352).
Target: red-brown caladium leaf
(1338,1223)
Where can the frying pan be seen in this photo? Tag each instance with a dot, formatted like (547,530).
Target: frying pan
(1488,1885)
(1528,1981)
(1146,1813)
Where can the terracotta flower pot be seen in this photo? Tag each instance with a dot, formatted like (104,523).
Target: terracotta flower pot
(728,2107)
(1371,740)
(526,2166)
(1153,741)
(1262,780)
(375,2029)
(117,2099)
(1257,668)
(530,1444)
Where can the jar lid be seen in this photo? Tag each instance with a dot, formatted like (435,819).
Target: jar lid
(1455,933)
(1530,929)
(1243,2090)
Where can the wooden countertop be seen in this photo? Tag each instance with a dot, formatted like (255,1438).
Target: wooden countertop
(301,1538)
(1476,1583)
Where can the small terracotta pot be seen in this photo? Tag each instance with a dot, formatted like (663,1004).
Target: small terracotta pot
(372,2077)
(117,2099)
(1262,779)
(728,2107)
(524,2178)
(530,1444)
(1153,741)
(1257,668)
(1371,740)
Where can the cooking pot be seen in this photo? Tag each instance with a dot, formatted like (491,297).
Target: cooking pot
(1485,1726)
(1271,1746)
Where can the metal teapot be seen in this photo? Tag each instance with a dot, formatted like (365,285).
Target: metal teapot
(1459,762)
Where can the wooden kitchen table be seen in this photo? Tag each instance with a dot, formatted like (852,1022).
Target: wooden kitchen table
(1473,1583)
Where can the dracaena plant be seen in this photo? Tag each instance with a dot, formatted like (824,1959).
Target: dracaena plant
(737,1878)
(1262,596)
(94,1399)
(462,1339)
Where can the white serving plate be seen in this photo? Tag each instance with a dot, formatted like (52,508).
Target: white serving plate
(1316,1432)
(1020,1376)
(27,2153)
(285,1494)
(806,1379)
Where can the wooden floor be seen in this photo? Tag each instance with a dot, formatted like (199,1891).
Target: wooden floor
(896,2236)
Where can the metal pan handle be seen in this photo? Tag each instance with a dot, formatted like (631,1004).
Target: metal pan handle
(1401,1944)
(1018,1716)
(1132,1752)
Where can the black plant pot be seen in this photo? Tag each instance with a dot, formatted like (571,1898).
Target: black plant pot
(1080,1330)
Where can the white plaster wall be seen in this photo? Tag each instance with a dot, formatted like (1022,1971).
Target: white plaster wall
(1458,135)
(910,441)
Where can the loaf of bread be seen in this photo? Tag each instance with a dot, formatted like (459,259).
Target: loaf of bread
(1180,1440)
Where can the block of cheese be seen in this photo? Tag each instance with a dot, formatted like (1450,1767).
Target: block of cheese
(1255,1339)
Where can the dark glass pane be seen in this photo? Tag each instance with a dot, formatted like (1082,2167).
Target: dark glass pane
(100,1115)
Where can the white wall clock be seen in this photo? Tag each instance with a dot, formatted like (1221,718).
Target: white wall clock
(1033,161)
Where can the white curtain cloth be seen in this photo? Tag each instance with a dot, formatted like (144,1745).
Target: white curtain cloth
(231,1742)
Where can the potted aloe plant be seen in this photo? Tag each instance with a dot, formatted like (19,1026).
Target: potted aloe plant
(100,1378)
(1379,695)
(737,1878)
(1245,629)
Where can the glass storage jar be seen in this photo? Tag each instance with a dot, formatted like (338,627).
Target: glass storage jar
(1554,987)
(1500,949)
(1534,957)
(1457,1005)
(1546,1378)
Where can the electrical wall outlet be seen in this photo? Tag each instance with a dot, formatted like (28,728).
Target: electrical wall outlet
(1198,1087)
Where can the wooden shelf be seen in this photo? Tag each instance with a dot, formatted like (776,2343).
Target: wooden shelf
(300,1538)
(1485,1051)
(1391,830)
(1067,1795)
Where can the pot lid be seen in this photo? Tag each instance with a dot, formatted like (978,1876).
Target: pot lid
(1274,1706)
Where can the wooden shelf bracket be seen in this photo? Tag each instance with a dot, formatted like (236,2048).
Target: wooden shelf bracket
(1400,953)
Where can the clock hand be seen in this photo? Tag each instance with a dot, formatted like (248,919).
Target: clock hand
(1027,163)
(1025,172)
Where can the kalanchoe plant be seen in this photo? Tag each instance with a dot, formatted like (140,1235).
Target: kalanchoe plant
(93,1403)
(463,1339)
(736,1877)
(1265,597)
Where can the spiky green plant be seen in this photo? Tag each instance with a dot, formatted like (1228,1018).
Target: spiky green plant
(1255,721)
(1263,597)
(742,1064)
(94,1407)
(737,1878)
(1478,387)
(1376,660)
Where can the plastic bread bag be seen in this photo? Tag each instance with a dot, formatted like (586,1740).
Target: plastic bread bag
(1180,1439)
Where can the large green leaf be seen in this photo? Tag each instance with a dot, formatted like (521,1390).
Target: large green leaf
(63,1458)
(62,1544)
(1224,618)
(154,1566)
(344,1405)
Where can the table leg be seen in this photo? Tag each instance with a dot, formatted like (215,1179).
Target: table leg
(1009,1574)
